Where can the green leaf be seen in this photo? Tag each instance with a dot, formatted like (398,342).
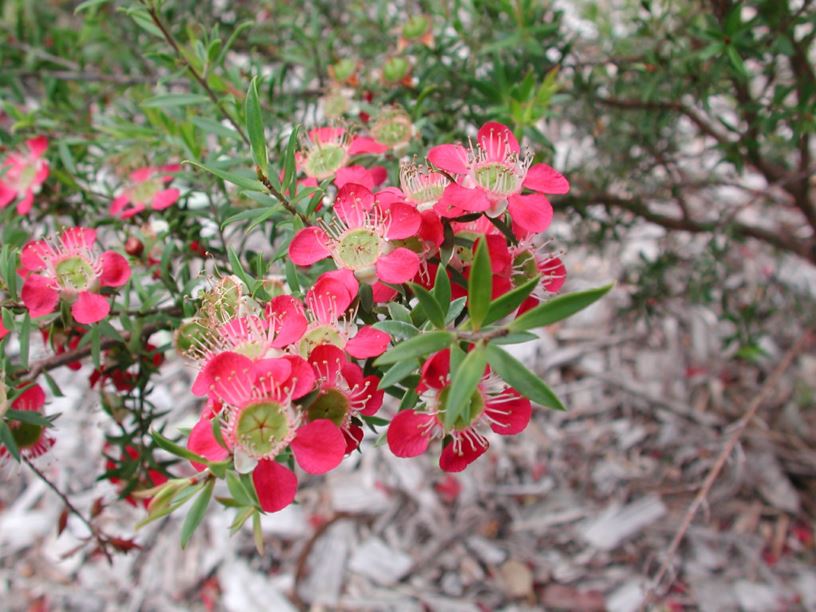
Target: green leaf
(456,308)
(397,372)
(464,383)
(177,450)
(399,312)
(433,310)
(28,416)
(255,127)
(196,513)
(515,338)
(25,339)
(236,179)
(237,490)
(257,533)
(480,286)
(399,329)
(88,4)
(515,374)
(507,303)
(418,346)
(442,288)
(558,308)
(174,100)
(8,440)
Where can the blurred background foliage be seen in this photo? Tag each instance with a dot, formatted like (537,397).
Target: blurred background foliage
(694,116)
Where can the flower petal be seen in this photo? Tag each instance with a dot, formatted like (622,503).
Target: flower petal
(309,246)
(35,254)
(39,296)
(89,308)
(328,299)
(202,442)
(497,141)
(275,484)
(319,446)
(457,200)
(361,145)
(510,416)
(165,198)
(115,270)
(231,377)
(352,204)
(544,179)
(78,238)
(435,371)
(399,266)
(302,380)
(327,361)
(287,320)
(357,175)
(450,157)
(408,433)
(532,212)
(403,220)
(450,461)
(7,194)
(368,342)
(25,205)
(37,145)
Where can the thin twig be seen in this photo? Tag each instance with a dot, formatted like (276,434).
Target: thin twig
(55,361)
(195,74)
(281,198)
(101,539)
(768,386)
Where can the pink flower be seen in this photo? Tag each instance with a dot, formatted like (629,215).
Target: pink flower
(343,393)
(422,186)
(146,192)
(493,406)
(326,150)
(491,176)
(254,337)
(32,440)
(22,175)
(360,238)
(326,302)
(71,270)
(261,422)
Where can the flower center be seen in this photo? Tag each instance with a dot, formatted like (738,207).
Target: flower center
(26,435)
(251,349)
(330,404)
(324,334)
(323,161)
(468,416)
(415,27)
(262,429)
(74,274)
(525,268)
(144,192)
(392,131)
(26,177)
(359,249)
(497,178)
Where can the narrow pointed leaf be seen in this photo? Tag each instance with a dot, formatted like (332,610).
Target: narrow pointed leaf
(464,383)
(558,308)
(480,286)
(418,346)
(516,374)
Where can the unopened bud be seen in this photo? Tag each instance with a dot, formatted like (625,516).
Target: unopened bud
(134,247)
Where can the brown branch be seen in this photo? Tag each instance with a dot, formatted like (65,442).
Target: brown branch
(194,73)
(767,387)
(775,238)
(55,361)
(102,540)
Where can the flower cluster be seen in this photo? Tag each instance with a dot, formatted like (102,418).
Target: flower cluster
(284,380)
(22,174)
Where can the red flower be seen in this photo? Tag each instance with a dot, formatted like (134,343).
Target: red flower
(22,175)
(146,192)
(343,393)
(32,440)
(493,406)
(262,422)
(360,238)
(70,270)
(491,176)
